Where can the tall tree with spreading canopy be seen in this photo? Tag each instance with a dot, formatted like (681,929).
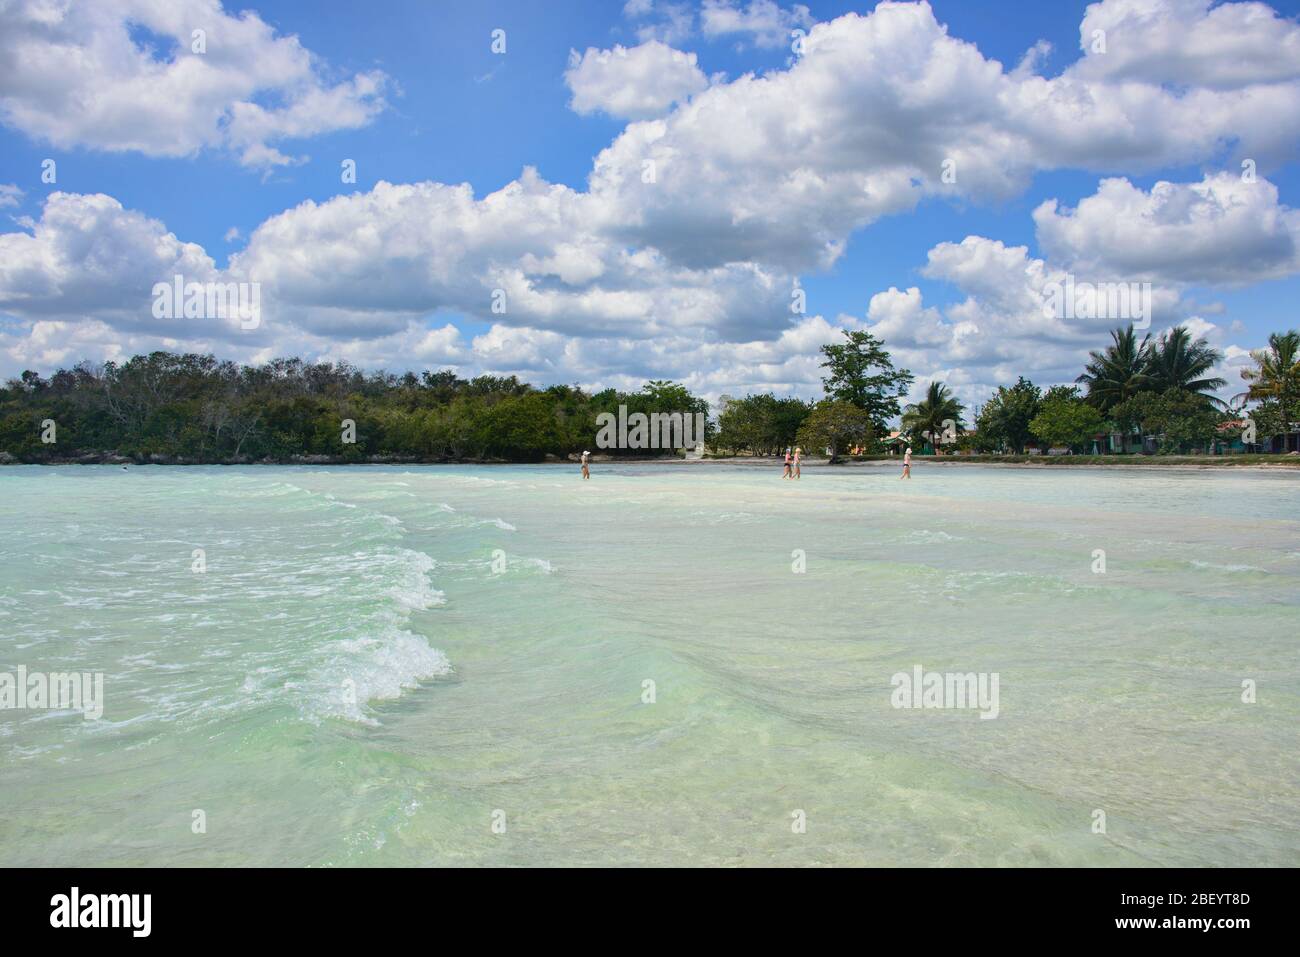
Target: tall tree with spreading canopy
(862,373)
(834,425)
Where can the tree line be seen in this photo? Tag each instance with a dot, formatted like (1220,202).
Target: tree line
(1154,394)
(194,408)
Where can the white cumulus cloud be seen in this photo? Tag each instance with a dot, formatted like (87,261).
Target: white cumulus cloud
(1221,230)
(125,76)
(635,83)
(764,21)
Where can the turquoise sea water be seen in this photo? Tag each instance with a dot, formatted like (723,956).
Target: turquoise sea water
(380,662)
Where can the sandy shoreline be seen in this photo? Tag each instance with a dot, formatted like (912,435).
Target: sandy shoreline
(920,463)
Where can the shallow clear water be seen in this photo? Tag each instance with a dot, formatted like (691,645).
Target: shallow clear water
(352,682)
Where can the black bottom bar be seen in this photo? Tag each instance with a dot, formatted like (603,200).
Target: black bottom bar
(337,906)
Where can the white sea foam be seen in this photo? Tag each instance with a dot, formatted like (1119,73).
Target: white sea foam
(413,589)
(378,668)
(925,536)
(1225,567)
(384,656)
(726,518)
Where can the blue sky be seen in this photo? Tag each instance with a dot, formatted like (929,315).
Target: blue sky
(452,111)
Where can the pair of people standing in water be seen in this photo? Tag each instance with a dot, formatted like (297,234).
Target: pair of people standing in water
(792,464)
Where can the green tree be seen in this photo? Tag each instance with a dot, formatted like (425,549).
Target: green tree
(788,416)
(1120,371)
(657,396)
(1178,419)
(665,396)
(1179,362)
(1064,419)
(834,424)
(747,424)
(1004,420)
(1270,421)
(862,373)
(761,423)
(934,417)
(1275,383)
(520,428)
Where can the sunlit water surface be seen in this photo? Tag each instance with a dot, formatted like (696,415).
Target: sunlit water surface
(360,677)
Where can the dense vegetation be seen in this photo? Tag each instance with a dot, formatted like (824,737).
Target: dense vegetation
(1156,394)
(1159,392)
(193,408)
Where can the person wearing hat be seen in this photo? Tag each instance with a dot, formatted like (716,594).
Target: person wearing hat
(586,472)
(907,464)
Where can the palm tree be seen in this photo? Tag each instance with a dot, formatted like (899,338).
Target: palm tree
(1276,375)
(930,417)
(1120,372)
(1178,362)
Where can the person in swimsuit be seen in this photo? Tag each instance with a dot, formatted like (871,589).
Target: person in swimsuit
(797,453)
(586,472)
(907,464)
(787,473)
